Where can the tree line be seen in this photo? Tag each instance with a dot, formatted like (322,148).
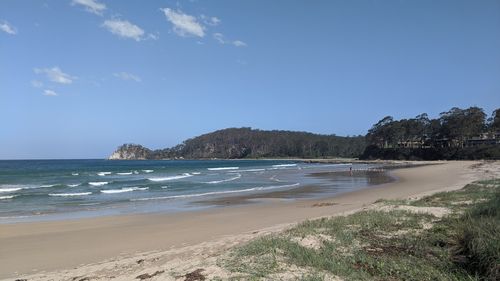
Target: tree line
(455,134)
(237,143)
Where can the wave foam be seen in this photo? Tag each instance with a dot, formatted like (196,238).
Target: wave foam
(7,197)
(10,189)
(185,175)
(70,194)
(148,171)
(125,189)
(104,173)
(273,178)
(98,183)
(223,168)
(226,180)
(249,170)
(74,174)
(48,185)
(124,174)
(260,188)
(73,185)
(284,165)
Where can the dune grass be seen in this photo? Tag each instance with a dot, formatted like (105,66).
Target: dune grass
(392,244)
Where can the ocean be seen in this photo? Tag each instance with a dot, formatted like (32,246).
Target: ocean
(32,190)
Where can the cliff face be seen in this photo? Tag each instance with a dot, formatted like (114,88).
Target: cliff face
(131,152)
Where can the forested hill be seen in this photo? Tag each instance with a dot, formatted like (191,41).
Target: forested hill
(238,143)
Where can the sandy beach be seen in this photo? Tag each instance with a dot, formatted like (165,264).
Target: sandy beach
(124,247)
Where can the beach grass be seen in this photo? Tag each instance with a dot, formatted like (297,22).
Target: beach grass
(447,236)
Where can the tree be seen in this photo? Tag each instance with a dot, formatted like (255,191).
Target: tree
(494,121)
(460,124)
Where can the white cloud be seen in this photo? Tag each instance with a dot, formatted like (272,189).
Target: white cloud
(213,21)
(239,43)
(127,76)
(124,29)
(55,74)
(184,24)
(36,84)
(154,36)
(6,27)
(92,6)
(219,37)
(49,93)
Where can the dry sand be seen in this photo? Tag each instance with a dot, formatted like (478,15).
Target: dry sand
(169,246)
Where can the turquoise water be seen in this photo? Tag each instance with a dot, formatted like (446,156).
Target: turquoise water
(54,189)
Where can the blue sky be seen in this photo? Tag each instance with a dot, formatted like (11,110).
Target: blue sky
(80,77)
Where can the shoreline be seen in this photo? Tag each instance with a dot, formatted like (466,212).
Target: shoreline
(30,248)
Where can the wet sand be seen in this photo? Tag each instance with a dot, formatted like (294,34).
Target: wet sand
(373,177)
(63,249)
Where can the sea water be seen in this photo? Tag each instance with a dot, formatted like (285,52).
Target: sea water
(57,189)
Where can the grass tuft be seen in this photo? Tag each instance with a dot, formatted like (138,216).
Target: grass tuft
(393,244)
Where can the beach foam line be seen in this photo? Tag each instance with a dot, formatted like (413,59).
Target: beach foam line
(248,170)
(7,197)
(122,190)
(148,171)
(273,178)
(225,180)
(223,168)
(70,194)
(185,175)
(259,188)
(98,183)
(10,189)
(89,204)
(124,174)
(103,173)
(284,165)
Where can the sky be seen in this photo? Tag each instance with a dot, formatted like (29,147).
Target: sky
(80,77)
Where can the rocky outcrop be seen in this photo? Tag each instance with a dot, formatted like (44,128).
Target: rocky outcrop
(131,152)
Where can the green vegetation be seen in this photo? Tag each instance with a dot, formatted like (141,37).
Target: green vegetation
(237,143)
(447,236)
(456,134)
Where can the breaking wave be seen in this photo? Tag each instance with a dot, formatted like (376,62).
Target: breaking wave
(185,175)
(284,165)
(260,188)
(48,185)
(225,180)
(98,183)
(223,168)
(70,194)
(122,190)
(10,189)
